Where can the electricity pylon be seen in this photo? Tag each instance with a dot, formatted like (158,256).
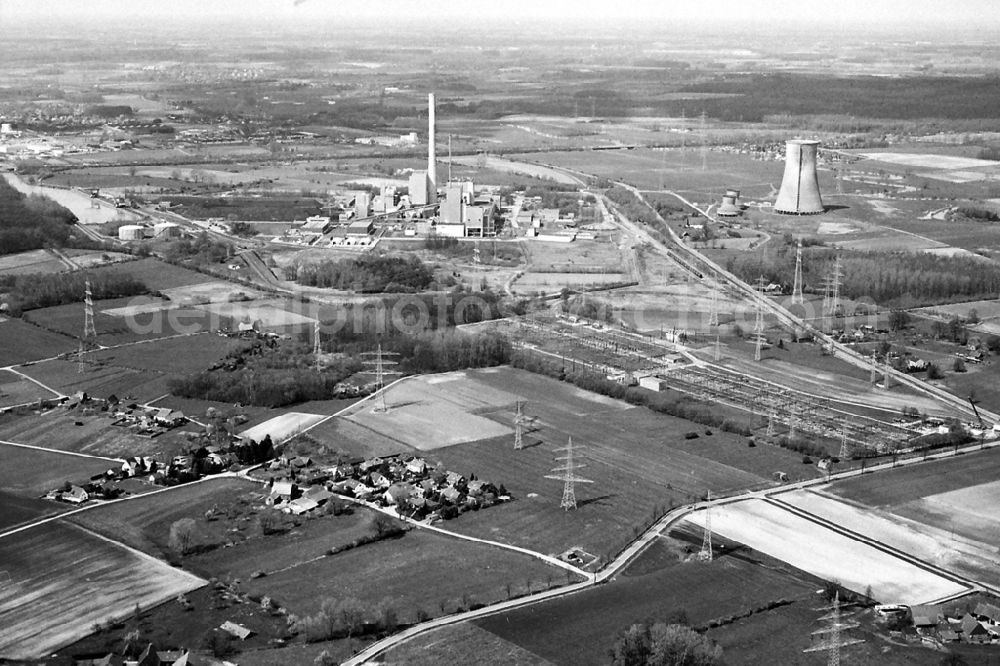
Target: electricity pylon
(713,315)
(758,329)
(770,423)
(89,330)
(797,287)
(845,447)
(379,362)
(705,554)
(519,428)
(567,474)
(718,349)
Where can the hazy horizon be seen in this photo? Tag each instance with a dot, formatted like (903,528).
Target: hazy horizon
(963,16)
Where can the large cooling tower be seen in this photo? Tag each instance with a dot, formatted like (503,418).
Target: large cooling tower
(799,193)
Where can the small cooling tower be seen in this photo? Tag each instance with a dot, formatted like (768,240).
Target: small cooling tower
(799,194)
(729,206)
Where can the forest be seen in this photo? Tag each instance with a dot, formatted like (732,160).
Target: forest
(368,274)
(33,222)
(284,375)
(29,292)
(896,279)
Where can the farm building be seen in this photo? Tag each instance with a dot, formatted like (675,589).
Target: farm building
(236,630)
(974,631)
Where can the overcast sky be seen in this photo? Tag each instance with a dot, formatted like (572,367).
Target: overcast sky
(975,14)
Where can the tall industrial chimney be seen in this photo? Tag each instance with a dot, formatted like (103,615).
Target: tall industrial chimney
(431,158)
(799,194)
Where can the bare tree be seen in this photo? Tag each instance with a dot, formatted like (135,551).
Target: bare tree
(182,536)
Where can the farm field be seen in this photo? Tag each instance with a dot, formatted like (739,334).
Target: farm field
(144,522)
(770,529)
(23,342)
(16,390)
(953,498)
(432,411)
(970,559)
(173,356)
(33,261)
(16,510)
(282,427)
(98,380)
(111,330)
(65,579)
(31,473)
(463,643)
(156,273)
(581,628)
(639,460)
(94,436)
(352,439)
(779,635)
(211,291)
(420,570)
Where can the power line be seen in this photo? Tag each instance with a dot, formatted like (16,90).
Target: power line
(378,363)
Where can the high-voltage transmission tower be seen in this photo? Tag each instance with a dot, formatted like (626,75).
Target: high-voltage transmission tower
(519,422)
(845,446)
(705,554)
(832,299)
(770,423)
(566,472)
(378,362)
(797,287)
(718,349)
(833,639)
(89,330)
(793,415)
(713,314)
(758,329)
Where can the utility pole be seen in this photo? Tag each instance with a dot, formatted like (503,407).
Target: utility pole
(317,352)
(518,428)
(758,328)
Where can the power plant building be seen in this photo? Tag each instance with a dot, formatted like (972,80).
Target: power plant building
(730,206)
(418,188)
(799,194)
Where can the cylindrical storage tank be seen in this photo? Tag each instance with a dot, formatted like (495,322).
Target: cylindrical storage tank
(728,208)
(166,230)
(799,194)
(131,232)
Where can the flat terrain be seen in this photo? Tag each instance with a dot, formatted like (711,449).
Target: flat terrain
(144,523)
(65,579)
(174,356)
(857,566)
(114,330)
(951,501)
(581,628)
(17,390)
(464,643)
(639,461)
(353,440)
(95,435)
(24,342)
(432,411)
(420,570)
(977,560)
(16,510)
(31,473)
(34,261)
(282,427)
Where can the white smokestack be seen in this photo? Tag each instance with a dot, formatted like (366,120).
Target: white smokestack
(431,158)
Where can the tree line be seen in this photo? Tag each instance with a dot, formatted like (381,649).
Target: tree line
(898,279)
(368,274)
(287,375)
(29,292)
(33,222)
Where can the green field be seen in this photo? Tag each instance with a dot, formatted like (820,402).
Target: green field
(418,571)
(64,579)
(463,643)
(16,390)
(58,429)
(24,342)
(639,461)
(581,628)
(32,473)
(144,522)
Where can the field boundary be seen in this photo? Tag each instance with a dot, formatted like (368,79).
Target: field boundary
(65,453)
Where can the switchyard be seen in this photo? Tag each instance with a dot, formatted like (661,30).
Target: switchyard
(797,411)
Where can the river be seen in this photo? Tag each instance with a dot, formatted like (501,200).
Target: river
(81,204)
